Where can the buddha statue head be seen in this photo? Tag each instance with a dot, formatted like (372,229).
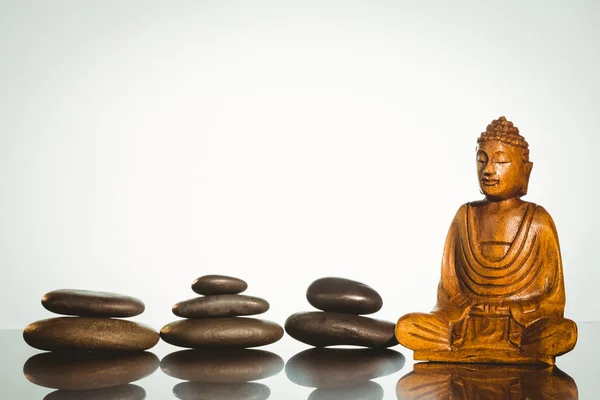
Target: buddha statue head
(503,165)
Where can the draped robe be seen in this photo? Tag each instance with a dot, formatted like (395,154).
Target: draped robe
(527,282)
(507,307)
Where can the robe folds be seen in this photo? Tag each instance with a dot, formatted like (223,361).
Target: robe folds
(527,283)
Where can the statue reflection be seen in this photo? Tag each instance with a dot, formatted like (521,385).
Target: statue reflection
(86,375)
(215,374)
(343,373)
(437,381)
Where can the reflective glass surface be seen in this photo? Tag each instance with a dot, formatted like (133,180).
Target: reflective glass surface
(287,370)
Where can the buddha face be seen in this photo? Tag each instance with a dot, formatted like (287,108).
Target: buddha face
(502,171)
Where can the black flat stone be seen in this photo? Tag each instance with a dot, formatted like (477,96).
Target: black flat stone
(224,305)
(87,303)
(343,296)
(322,329)
(218,284)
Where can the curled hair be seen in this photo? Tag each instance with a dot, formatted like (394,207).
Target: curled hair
(504,131)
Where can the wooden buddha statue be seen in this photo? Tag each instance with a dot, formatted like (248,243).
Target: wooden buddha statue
(501,296)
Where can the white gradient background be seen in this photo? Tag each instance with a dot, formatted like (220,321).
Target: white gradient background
(146,143)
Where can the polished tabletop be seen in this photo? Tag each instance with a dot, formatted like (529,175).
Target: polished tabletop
(287,370)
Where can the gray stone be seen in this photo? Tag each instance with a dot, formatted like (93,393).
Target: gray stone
(224,305)
(87,303)
(221,332)
(343,296)
(218,284)
(322,329)
(83,333)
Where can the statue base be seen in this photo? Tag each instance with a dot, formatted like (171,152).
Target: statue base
(481,356)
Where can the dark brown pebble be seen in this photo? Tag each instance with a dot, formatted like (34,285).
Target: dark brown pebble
(322,329)
(218,284)
(221,391)
(341,367)
(123,392)
(221,332)
(222,365)
(363,391)
(83,333)
(224,305)
(343,296)
(86,303)
(87,371)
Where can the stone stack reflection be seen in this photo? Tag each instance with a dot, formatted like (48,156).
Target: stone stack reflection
(343,373)
(220,374)
(91,375)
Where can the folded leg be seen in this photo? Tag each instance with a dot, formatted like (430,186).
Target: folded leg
(418,331)
(549,336)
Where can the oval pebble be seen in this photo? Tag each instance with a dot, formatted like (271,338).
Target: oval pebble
(218,284)
(322,329)
(222,332)
(83,333)
(87,303)
(343,296)
(224,305)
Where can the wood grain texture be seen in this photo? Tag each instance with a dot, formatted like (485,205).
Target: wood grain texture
(501,296)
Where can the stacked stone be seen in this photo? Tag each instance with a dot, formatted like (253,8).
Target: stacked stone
(216,319)
(342,302)
(91,325)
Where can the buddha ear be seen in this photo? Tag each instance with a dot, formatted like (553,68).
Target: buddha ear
(525,184)
(528,168)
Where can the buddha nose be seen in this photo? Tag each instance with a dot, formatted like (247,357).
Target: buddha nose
(489,169)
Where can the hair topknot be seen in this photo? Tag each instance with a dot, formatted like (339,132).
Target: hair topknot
(504,131)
